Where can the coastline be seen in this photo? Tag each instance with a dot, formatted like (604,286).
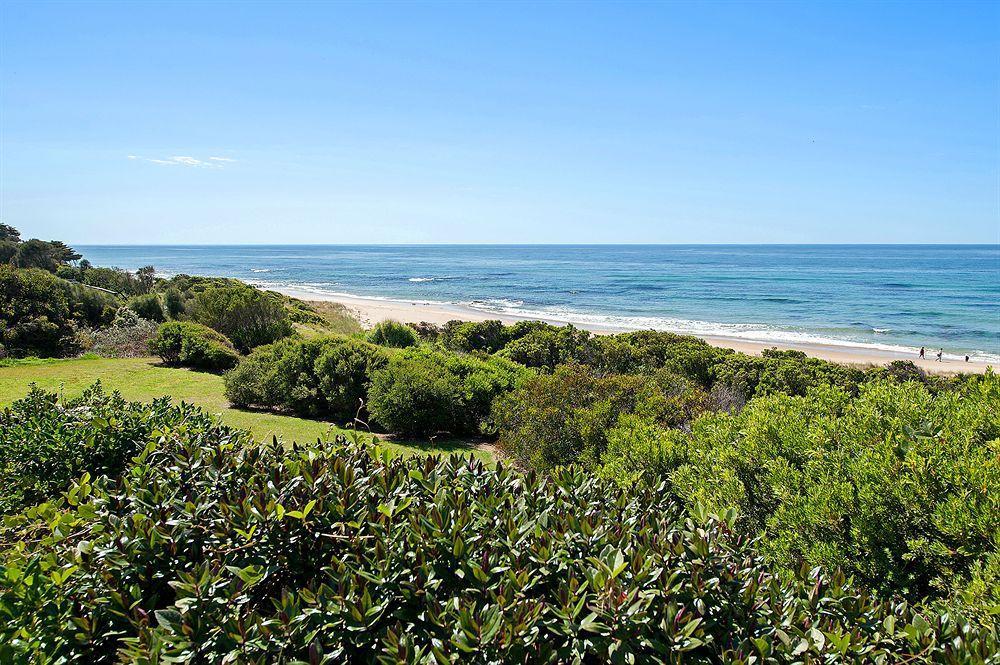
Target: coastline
(373,310)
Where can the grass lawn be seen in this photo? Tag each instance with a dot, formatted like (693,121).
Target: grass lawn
(143,379)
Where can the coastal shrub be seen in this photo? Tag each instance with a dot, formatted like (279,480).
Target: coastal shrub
(189,344)
(121,281)
(147,306)
(247,316)
(127,336)
(46,443)
(897,486)
(788,372)
(42,313)
(547,346)
(650,350)
(640,448)
(212,548)
(405,396)
(417,398)
(562,418)
(173,303)
(393,334)
(470,336)
(324,376)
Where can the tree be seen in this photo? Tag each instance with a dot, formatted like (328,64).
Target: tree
(35,254)
(9,233)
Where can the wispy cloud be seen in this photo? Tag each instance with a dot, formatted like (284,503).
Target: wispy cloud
(183,160)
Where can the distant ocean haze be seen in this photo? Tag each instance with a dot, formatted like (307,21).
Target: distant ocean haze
(890,297)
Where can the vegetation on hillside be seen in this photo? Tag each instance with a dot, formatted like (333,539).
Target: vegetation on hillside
(210,547)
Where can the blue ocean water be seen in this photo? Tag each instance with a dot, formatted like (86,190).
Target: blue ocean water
(892,297)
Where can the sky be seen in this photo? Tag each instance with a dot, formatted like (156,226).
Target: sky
(253,122)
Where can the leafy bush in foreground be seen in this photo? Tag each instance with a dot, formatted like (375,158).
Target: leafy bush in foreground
(147,306)
(46,444)
(193,345)
(896,486)
(213,549)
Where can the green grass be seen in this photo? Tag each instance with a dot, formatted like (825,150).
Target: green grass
(143,379)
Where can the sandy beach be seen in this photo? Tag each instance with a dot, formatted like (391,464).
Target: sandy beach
(372,310)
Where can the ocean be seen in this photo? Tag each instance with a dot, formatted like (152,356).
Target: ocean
(888,297)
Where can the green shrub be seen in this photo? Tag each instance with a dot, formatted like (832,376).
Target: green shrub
(638,448)
(173,303)
(247,316)
(649,350)
(470,336)
(193,345)
(121,281)
(418,398)
(324,376)
(42,313)
(393,334)
(787,372)
(548,346)
(406,396)
(211,548)
(896,486)
(565,417)
(45,444)
(147,306)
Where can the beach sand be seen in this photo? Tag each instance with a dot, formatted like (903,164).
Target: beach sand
(371,310)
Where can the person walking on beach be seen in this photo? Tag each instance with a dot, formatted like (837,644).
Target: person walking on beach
(966,357)
(939,353)
(921,353)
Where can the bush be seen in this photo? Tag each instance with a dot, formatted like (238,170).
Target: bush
(417,398)
(173,303)
(214,549)
(788,372)
(393,334)
(121,281)
(325,376)
(406,396)
(562,418)
(641,448)
(548,346)
(42,313)
(193,345)
(649,350)
(46,444)
(247,316)
(128,336)
(898,487)
(147,306)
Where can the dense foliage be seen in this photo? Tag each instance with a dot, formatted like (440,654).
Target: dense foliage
(325,376)
(247,316)
(42,313)
(188,344)
(212,548)
(425,392)
(46,444)
(393,334)
(128,336)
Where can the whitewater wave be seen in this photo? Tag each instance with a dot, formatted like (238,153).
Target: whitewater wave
(430,279)
(259,270)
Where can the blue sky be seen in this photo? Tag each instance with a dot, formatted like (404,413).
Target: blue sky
(512,122)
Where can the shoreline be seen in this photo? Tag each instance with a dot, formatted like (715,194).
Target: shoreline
(373,310)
